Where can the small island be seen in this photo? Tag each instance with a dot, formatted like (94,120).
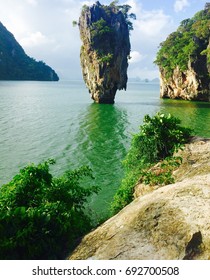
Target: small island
(184,60)
(104,31)
(16,65)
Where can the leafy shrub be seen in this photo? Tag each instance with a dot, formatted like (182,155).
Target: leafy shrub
(40,216)
(159,137)
(160,174)
(124,194)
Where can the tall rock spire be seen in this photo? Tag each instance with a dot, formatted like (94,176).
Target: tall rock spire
(104,31)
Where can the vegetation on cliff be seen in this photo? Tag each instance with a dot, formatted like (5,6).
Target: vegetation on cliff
(102,27)
(42,216)
(159,137)
(102,31)
(16,65)
(189,43)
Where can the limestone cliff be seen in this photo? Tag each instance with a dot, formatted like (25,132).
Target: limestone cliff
(190,84)
(169,222)
(104,32)
(184,60)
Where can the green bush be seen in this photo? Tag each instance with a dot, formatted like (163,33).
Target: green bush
(160,174)
(42,217)
(159,137)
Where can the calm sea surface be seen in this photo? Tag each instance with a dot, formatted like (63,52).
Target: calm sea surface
(41,120)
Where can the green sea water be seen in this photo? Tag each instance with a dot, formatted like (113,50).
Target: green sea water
(41,120)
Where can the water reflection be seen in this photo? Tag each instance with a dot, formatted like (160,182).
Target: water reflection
(192,114)
(101,144)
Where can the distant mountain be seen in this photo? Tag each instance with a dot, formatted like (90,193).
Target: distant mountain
(155,81)
(139,80)
(15,64)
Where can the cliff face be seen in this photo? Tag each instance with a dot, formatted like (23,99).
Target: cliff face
(16,65)
(191,84)
(169,222)
(184,60)
(104,54)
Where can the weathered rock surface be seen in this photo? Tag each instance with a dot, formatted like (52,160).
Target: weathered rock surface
(196,159)
(171,222)
(191,84)
(104,53)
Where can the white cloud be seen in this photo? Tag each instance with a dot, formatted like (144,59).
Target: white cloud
(34,39)
(32,2)
(179,5)
(135,6)
(151,27)
(152,23)
(135,57)
(88,3)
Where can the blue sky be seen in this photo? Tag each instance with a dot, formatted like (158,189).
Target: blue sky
(44,29)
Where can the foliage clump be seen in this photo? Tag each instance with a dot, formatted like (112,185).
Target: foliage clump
(42,216)
(188,43)
(102,27)
(159,137)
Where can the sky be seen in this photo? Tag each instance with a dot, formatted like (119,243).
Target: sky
(45,31)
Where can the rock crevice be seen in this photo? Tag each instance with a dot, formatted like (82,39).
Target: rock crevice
(192,84)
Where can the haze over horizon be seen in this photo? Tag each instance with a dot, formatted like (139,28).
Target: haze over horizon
(45,31)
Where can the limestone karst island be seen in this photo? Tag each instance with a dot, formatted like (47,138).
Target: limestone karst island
(15,64)
(105,50)
(184,59)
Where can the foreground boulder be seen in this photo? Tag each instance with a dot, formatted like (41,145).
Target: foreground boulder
(170,223)
(104,31)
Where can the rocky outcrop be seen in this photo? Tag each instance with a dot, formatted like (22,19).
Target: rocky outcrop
(104,32)
(170,222)
(192,84)
(184,60)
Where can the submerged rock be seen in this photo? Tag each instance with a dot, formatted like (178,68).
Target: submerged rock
(169,223)
(104,31)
